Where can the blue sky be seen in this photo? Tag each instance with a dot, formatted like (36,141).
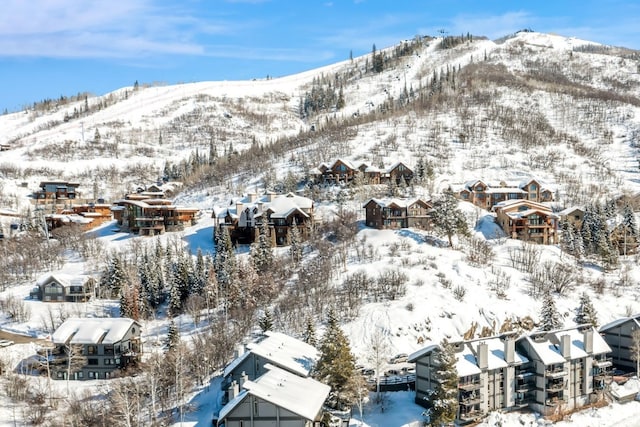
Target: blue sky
(50,48)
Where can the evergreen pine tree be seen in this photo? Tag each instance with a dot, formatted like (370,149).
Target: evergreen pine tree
(447,218)
(585,312)
(549,316)
(261,251)
(173,336)
(266,321)
(336,365)
(309,335)
(295,245)
(444,397)
(199,274)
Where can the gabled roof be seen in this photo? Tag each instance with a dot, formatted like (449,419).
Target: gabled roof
(93,330)
(496,356)
(395,165)
(283,351)
(546,345)
(302,396)
(401,203)
(347,163)
(64,280)
(570,210)
(413,357)
(635,319)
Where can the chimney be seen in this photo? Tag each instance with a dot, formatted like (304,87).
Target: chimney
(588,340)
(483,356)
(565,346)
(243,379)
(234,390)
(509,350)
(238,207)
(253,197)
(239,351)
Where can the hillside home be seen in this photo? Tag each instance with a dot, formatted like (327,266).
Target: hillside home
(277,398)
(101,347)
(275,348)
(570,367)
(397,213)
(99,213)
(487,195)
(52,190)
(490,376)
(149,217)
(528,221)
(573,215)
(343,171)
(64,288)
(79,222)
(544,371)
(244,217)
(619,336)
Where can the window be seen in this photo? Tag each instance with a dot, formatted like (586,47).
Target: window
(60,374)
(92,374)
(108,361)
(92,349)
(92,362)
(108,350)
(79,374)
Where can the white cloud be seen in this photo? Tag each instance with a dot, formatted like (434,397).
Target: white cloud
(99,28)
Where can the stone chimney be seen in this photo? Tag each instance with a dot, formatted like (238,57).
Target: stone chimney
(565,346)
(253,197)
(243,379)
(509,349)
(234,390)
(483,356)
(588,340)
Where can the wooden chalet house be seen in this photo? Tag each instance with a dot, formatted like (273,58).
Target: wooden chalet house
(244,217)
(486,195)
(276,398)
(53,190)
(150,217)
(397,213)
(573,215)
(343,171)
(106,346)
(64,288)
(528,221)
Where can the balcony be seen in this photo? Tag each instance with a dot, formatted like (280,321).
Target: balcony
(471,415)
(602,363)
(556,373)
(469,386)
(555,386)
(472,399)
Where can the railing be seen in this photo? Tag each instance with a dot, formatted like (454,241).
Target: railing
(602,363)
(556,372)
(472,415)
(472,385)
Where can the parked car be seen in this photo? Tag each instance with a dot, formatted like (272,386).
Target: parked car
(399,358)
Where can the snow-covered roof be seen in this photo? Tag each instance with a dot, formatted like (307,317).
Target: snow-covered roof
(547,345)
(466,363)
(287,352)
(496,356)
(302,396)
(401,203)
(570,210)
(65,280)
(547,351)
(235,363)
(413,357)
(282,350)
(614,324)
(92,330)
